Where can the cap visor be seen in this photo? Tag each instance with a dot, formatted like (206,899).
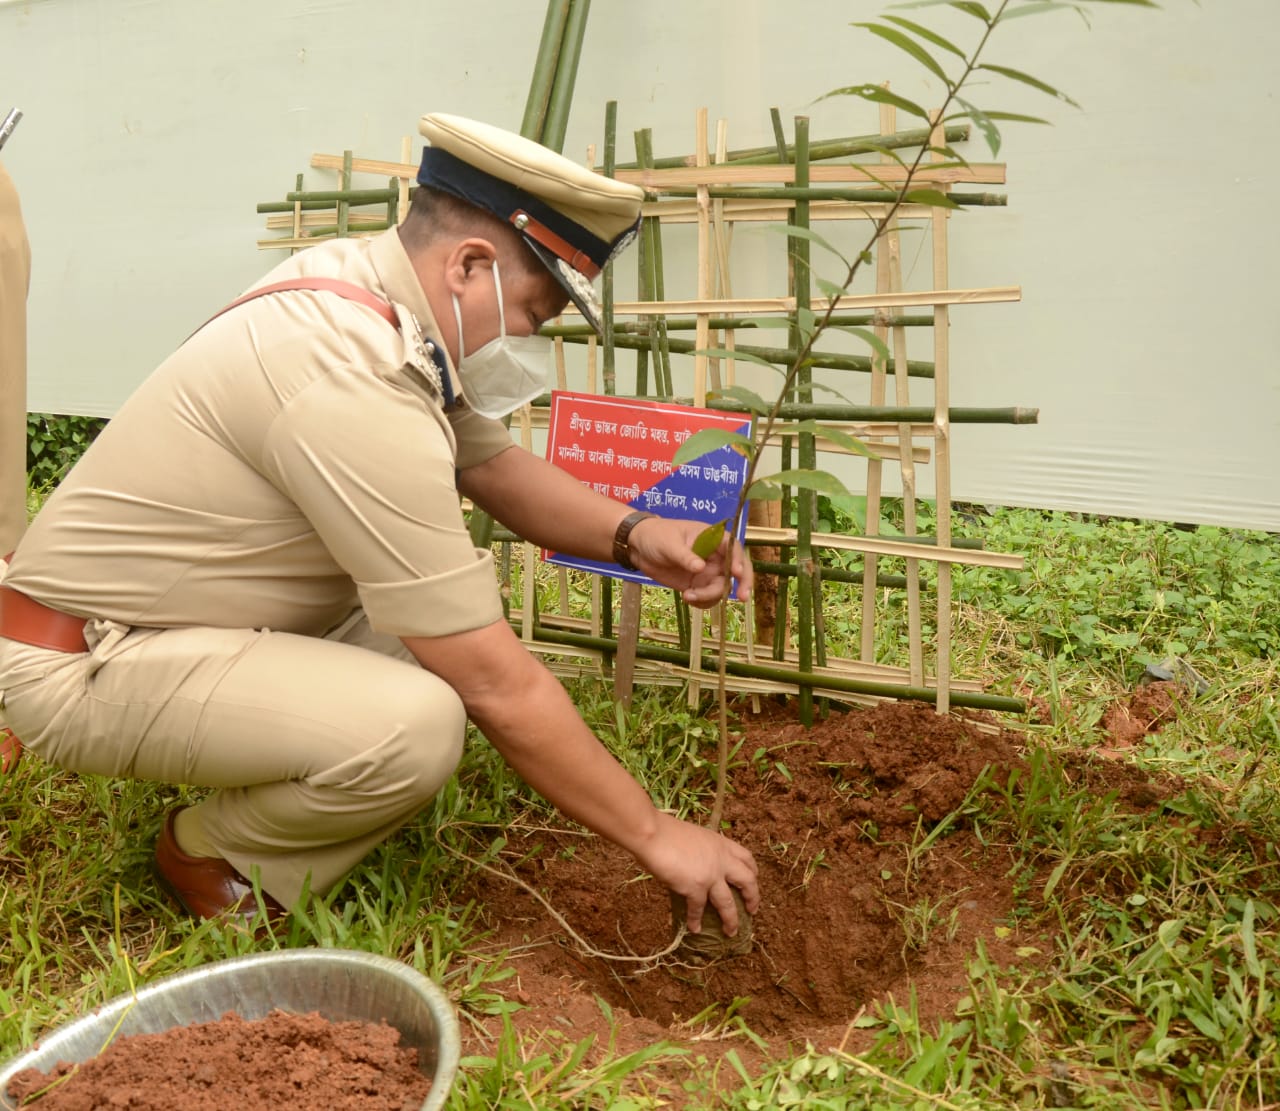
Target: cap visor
(579,288)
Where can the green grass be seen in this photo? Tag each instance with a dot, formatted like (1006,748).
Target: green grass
(1162,928)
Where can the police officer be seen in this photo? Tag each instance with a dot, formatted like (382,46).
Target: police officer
(15,273)
(258,579)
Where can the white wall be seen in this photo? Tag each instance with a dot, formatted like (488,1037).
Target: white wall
(1137,227)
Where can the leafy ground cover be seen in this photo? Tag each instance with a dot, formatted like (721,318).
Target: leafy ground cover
(1077,908)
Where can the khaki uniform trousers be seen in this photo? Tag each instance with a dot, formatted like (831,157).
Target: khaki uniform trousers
(15,274)
(318,748)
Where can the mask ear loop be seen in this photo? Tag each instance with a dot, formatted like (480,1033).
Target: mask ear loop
(457,319)
(502,316)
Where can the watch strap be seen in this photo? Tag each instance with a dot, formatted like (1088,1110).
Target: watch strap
(621,547)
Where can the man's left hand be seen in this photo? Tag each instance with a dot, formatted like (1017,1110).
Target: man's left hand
(663,549)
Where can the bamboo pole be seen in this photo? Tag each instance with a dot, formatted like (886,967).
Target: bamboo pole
(826,148)
(606,281)
(724,281)
(529,564)
(783,356)
(781,627)
(627,328)
(344,204)
(544,69)
(702,341)
(875,468)
(906,468)
(808,589)
(942,443)
(705,292)
(329,197)
(402,183)
(827,682)
(816,193)
(873,175)
(654,283)
(900,414)
(557,117)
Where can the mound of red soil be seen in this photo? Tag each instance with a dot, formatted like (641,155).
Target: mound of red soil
(282,1060)
(874,883)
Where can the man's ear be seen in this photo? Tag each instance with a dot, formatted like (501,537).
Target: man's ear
(464,261)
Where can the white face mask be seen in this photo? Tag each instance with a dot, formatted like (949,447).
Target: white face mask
(508,371)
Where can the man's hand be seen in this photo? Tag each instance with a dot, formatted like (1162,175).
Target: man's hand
(663,550)
(701,865)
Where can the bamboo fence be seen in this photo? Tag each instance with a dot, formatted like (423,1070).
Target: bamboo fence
(795,184)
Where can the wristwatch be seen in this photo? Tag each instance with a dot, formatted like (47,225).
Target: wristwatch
(621,549)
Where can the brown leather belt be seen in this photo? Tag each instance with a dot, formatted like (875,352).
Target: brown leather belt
(30,622)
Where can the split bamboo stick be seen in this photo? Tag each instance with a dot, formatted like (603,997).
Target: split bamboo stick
(731,305)
(808,589)
(942,443)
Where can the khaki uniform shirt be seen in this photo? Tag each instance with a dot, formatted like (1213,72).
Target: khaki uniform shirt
(292,460)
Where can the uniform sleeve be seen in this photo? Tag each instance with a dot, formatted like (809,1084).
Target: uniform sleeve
(371,467)
(479,438)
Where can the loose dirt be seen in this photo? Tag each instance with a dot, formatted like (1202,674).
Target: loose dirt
(282,1060)
(877,886)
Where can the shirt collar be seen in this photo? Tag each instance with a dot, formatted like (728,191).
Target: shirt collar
(400,283)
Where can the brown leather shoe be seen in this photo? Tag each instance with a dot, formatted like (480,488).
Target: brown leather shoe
(10,751)
(208,887)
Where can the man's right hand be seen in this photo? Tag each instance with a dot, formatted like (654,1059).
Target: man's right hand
(701,865)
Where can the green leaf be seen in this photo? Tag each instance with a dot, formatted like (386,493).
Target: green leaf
(973,8)
(880,96)
(935,198)
(823,482)
(950,153)
(749,398)
(836,436)
(809,234)
(868,337)
(806,322)
(709,440)
(743,356)
(925,33)
(1015,117)
(1249,941)
(1027,79)
(984,123)
(910,46)
(1037,8)
(764,490)
(828,288)
(708,540)
(886,152)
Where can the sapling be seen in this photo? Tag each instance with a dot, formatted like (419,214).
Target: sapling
(938,56)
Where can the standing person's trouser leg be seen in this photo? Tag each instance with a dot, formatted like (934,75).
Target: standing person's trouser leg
(319,747)
(15,274)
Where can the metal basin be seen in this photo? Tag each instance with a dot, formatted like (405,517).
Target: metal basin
(340,984)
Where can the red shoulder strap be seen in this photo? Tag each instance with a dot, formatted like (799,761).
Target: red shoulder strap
(349,290)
